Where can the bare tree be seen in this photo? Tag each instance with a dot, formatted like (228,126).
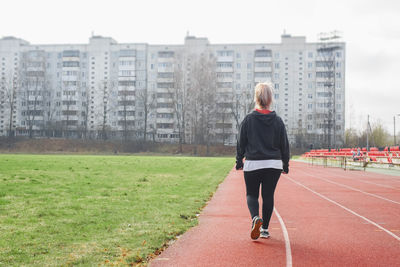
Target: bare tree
(33,85)
(224,115)
(147,102)
(105,105)
(242,104)
(203,91)
(85,110)
(68,102)
(8,98)
(179,98)
(49,110)
(126,101)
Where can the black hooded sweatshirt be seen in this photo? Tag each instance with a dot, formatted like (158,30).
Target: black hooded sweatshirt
(262,137)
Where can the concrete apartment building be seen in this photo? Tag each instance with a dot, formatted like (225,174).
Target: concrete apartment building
(106,89)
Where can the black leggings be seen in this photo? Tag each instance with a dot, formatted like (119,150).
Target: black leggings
(268,178)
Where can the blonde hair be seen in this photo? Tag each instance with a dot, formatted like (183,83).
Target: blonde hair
(263,95)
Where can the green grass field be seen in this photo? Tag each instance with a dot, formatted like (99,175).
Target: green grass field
(99,210)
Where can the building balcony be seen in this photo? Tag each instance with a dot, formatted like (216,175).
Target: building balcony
(325,58)
(225,79)
(225,59)
(126,97)
(131,68)
(126,78)
(33,98)
(165,110)
(224,90)
(165,80)
(34,69)
(262,59)
(165,59)
(225,131)
(121,74)
(165,120)
(69,78)
(165,69)
(126,108)
(262,79)
(164,100)
(128,117)
(326,68)
(75,58)
(72,108)
(128,57)
(165,90)
(225,69)
(324,79)
(70,117)
(262,69)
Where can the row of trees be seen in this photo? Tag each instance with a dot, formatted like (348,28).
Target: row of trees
(202,112)
(378,136)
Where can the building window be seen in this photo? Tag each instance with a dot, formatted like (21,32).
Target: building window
(310,55)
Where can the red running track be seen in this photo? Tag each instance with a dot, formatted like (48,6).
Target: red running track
(323,217)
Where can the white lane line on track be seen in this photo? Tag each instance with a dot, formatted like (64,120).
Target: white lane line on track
(381,185)
(287,241)
(343,207)
(367,182)
(366,174)
(352,188)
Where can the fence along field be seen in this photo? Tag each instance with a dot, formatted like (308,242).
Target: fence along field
(90,210)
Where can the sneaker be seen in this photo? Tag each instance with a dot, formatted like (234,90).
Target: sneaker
(255,227)
(264,233)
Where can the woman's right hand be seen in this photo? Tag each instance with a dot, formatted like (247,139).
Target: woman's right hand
(239,164)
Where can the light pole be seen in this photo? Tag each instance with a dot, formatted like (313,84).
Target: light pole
(394,129)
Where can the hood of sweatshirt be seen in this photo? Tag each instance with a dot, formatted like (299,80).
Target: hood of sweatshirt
(267,119)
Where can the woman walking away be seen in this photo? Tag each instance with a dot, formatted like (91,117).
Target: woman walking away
(263,141)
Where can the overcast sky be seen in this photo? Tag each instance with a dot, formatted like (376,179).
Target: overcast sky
(371,30)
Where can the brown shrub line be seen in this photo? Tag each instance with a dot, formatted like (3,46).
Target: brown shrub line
(74,146)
